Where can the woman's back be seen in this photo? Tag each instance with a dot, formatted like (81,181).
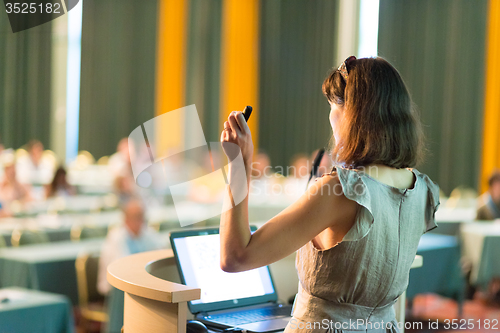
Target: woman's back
(369,230)
(368,270)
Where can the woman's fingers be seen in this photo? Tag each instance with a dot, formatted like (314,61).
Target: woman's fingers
(225,135)
(226,132)
(237,131)
(233,124)
(235,127)
(242,124)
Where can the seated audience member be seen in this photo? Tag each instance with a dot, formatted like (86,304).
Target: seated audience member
(119,162)
(7,156)
(59,187)
(125,189)
(300,166)
(298,174)
(132,237)
(3,157)
(10,188)
(4,212)
(34,168)
(203,189)
(4,151)
(261,167)
(260,183)
(265,184)
(489,207)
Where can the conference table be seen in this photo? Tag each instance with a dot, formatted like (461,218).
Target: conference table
(92,179)
(48,267)
(58,227)
(449,220)
(57,217)
(23,310)
(481,247)
(66,204)
(45,267)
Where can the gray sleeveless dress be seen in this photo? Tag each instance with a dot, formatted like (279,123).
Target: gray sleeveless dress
(353,286)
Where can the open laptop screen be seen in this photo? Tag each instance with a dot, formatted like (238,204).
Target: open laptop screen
(198,258)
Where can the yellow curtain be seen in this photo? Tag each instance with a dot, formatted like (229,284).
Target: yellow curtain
(239,63)
(171,68)
(491,138)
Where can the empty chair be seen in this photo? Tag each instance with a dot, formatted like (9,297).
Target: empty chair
(155,226)
(28,237)
(79,232)
(462,197)
(20,153)
(85,157)
(91,303)
(103,160)
(50,157)
(83,160)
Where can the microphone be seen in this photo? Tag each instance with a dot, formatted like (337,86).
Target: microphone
(316,162)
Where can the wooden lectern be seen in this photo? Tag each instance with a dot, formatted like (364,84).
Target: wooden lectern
(152,304)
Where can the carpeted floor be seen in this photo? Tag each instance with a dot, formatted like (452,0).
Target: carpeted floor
(433,313)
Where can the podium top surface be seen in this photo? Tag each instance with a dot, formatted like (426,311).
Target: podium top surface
(132,275)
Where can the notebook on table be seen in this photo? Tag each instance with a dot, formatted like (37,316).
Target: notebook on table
(247,300)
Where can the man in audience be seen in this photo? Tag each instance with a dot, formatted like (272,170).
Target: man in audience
(34,168)
(298,174)
(5,155)
(3,212)
(130,238)
(125,189)
(489,208)
(119,162)
(10,188)
(261,167)
(262,176)
(2,150)
(265,184)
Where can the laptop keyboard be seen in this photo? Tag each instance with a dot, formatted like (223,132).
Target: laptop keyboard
(249,316)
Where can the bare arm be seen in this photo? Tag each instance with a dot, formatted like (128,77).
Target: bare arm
(321,207)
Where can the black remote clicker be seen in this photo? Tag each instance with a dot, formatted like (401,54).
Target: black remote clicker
(247,112)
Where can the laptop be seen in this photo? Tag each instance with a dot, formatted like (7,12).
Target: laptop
(246,300)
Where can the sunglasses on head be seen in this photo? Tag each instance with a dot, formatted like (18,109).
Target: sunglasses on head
(345,66)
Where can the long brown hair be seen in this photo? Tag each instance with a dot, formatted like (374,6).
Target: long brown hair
(55,185)
(378,124)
